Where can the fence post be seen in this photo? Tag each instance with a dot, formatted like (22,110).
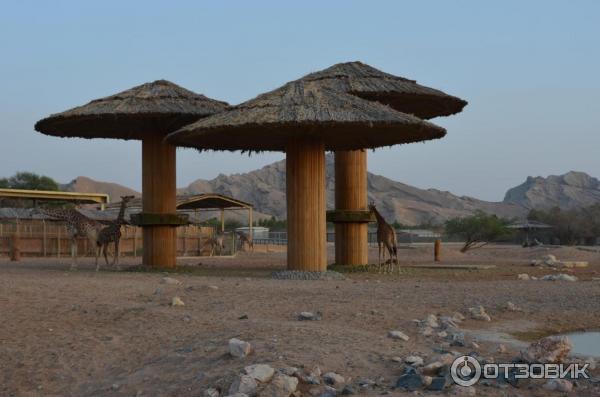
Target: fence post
(15,252)
(58,243)
(437,248)
(44,242)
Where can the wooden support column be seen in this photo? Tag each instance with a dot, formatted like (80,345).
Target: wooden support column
(305,193)
(351,240)
(158,197)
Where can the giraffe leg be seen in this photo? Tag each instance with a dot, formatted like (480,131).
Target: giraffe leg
(105,248)
(117,252)
(98,249)
(73,254)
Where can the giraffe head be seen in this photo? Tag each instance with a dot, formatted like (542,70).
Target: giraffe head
(372,206)
(127,199)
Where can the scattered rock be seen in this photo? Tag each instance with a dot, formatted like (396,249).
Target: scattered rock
(176,301)
(348,390)
(397,359)
(552,349)
(432,321)
(562,385)
(559,277)
(427,380)
(458,317)
(169,280)
(426,331)
(260,372)
(457,339)
(301,275)
(213,287)
(398,335)
(502,348)
(448,323)
(239,348)
(511,307)
(332,378)
(281,386)
(442,334)
(478,313)
(475,345)
(415,361)
(244,384)
(243,317)
(364,383)
(432,369)
(523,276)
(438,383)
(310,316)
(211,392)
(410,382)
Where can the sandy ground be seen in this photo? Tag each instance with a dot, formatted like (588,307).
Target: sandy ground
(82,333)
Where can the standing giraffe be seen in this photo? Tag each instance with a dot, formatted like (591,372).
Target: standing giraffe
(112,234)
(244,239)
(78,225)
(386,238)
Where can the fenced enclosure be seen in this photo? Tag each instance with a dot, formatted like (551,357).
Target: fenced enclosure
(52,239)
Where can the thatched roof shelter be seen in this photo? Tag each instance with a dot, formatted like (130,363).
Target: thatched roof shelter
(157,107)
(300,108)
(147,112)
(304,119)
(400,93)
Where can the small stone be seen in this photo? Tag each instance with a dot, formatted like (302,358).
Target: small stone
(442,334)
(427,380)
(457,339)
(475,345)
(552,349)
(415,361)
(559,277)
(398,335)
(432,369)
(211,392)
(502,348)
(244,384)
(427,331)
(432,321)
(176,301)
(332,378)
(213,287)
(458,317)
(348,390)
(260,372)
(562,385)
(169,280)
(397,359)
(239,348)
(410,382)
(310,316)
(364,383)
(115,386)
(243,317)
(281,386)
(478,313)
(511,307)
(438,383)
(523,276)
(311,380)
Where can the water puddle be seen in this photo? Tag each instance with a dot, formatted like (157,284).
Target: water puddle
(585,343)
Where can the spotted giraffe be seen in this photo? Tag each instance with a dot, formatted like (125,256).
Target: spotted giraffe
(386,238)
(112,234)
(78,225)
(244,239)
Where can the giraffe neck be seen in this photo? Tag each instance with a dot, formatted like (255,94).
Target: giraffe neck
(380,219)
(121,216)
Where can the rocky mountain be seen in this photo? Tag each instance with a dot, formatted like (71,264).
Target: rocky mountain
(265,188)
(83,184)
(571,190)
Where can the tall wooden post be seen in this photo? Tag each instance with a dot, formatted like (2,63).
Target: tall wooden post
(437,249)
(351,238)
(305,193)
(158,198)
(15,246)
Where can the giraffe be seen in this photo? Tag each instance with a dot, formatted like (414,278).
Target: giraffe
(216,241)
(112,234)
(78,225)
(386,238)
(244,239)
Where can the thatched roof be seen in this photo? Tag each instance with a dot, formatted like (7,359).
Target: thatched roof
(400,93)
(157,107)
(342,121)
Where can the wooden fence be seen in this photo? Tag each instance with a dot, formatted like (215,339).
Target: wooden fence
(52,239)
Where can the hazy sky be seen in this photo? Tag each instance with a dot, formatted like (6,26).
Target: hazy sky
(529,69)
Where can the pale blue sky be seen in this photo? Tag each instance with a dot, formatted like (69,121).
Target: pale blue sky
(529,69)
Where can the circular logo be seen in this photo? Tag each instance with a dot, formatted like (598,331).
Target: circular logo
(465,371)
